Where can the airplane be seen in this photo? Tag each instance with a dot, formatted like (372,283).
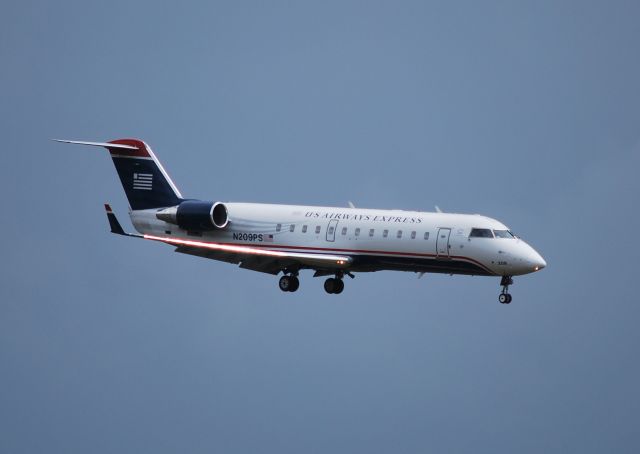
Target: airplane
(332,241)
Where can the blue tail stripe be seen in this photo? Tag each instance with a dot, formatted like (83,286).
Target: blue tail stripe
(144,184)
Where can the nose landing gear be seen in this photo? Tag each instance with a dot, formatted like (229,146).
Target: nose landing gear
(505,296)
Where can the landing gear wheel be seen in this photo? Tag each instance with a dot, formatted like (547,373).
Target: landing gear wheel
(505,282)
(330,285)
(289,283)
(504,298)
(295,283)
(284,283)
(333,285)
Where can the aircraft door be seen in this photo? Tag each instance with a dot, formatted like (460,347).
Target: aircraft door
(442,243)
(331,230)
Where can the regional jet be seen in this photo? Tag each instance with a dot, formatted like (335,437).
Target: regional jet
(332,241)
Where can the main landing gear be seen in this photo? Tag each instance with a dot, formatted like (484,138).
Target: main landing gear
(505,296)
(334,285)
(289,283)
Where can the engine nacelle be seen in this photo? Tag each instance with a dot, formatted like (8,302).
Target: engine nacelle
(196,215)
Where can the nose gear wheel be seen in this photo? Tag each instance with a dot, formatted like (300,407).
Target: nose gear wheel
(505,296)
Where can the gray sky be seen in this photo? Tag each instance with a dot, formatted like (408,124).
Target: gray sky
(526,112)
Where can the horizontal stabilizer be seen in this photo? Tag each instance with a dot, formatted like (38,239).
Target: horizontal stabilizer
(99,144)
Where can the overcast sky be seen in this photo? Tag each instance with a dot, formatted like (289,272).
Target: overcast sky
(528,112)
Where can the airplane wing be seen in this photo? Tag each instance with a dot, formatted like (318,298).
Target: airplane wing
(249,257)
(255,258)
(260,263)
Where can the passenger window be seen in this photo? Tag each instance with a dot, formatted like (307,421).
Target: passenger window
(413,235)
(385,233)
(370,232)
(278,227)
(358,231)
(304,229)
(344,230)
(292,227)
(399,235)
(331,230)
(481,233)
(317,229)
(426,235)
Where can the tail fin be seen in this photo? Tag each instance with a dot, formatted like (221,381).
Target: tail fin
(145,182)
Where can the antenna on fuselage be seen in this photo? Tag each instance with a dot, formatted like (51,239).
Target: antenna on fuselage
(351,205)
(438,210)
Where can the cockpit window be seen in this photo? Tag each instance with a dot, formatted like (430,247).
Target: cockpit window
(503,234)
(481,233)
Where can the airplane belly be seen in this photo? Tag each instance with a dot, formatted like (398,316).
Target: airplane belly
(363,263)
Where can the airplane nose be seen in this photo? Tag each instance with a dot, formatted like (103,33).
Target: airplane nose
(521,258)
(538,261)
(526,259)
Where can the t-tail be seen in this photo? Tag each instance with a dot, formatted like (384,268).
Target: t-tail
(144,180)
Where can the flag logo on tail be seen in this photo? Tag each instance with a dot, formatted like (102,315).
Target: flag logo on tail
(142,181)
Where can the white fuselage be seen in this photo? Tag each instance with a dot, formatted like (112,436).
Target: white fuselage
(375,239)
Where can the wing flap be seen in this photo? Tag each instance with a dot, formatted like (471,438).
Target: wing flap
(214,255)
(264,264)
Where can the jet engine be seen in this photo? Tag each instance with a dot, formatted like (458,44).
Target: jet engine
(196,215)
